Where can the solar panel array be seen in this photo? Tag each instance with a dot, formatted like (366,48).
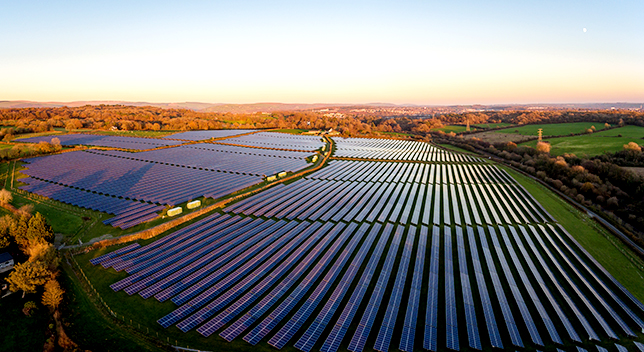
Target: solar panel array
(278,141)
(132,185)
(134,179)
(378,255)
(389,149)
(399,193)
(128,213)
(204,135)
(206,156)
(135,143)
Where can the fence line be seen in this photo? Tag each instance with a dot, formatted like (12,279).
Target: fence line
(134,324)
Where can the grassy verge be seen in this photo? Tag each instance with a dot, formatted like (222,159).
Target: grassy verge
(291,130)
(609,251)
(456,149)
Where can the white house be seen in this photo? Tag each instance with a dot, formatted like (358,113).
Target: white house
(6,262)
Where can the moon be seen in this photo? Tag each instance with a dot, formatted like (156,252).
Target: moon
(584,30)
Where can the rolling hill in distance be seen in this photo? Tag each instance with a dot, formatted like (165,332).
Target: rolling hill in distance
(271,107)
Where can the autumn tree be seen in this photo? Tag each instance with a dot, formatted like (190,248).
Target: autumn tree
(44,252)
(5,196)
(38,228)
(543,147)
(632,146)
(18,231)
(27,276)
(5,237)
(53,295)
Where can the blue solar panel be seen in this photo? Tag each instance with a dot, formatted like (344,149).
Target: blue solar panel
(411,316)
(389,322)
(362,332)
(341,326)
(328,234)
(468,302)
(283,310)
(589,306)
(308,339)
(500,292)
(586,283)
(295,323)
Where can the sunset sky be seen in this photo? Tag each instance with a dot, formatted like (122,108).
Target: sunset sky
(421,52)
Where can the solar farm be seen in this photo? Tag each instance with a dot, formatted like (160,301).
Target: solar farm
(392,245)
(146,175)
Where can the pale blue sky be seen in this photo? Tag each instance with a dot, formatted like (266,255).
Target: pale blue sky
(423,52)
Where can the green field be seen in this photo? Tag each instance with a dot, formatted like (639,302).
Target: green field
(493,125)
(596,143)
(556,129)
(609,251)
(39,134)
(291,130)
(454,128)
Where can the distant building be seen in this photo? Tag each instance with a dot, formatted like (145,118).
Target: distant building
(6,262)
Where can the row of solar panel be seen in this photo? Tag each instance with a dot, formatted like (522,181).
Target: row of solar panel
(128,213)
(204,135)
(444,157)
(216,160)
(278,141)
(395,202)
(374,171)
(136,143)
(196,310)
(385,149)
(155,183)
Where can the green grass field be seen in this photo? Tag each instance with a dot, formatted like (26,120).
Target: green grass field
(29,135)
(291,130)
(454,128)
(596,143)
(397,134)
(609,251)
(493,125)
(557,129)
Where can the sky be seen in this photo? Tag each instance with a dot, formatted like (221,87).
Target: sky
(402,52)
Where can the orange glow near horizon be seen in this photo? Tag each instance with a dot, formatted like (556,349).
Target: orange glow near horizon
(410,53)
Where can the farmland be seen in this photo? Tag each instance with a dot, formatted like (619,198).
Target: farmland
(453,128)
(392,245)
(597,143)
(558,129)
(492,125)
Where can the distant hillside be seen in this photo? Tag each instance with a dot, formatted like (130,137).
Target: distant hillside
(271,107)
(196,106)
(263,107)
